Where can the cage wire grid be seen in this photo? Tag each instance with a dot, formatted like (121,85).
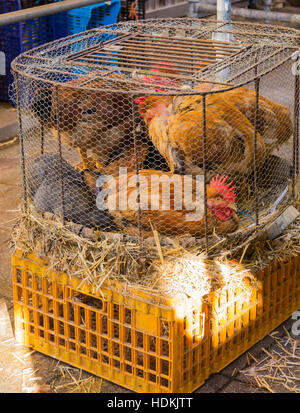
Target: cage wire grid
(162,98)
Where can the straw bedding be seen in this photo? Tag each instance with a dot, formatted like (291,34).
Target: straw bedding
(158,265)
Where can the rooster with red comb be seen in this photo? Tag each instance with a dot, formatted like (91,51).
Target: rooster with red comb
(173,204)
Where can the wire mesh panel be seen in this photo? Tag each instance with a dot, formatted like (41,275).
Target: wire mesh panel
(158,128)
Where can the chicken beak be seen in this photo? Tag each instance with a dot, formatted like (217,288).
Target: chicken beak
(232,206)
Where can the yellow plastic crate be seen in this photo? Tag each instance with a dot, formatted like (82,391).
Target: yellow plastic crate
(142,341)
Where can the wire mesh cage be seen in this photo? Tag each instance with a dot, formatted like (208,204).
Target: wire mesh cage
(172,128)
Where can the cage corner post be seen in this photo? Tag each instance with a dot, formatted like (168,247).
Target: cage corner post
(295,172)
(204,168)
(21,136)
(257,87)
(61,177)
(136,153)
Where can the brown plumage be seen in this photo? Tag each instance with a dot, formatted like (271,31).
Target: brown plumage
(176,129)
(98,121)
(274,121)
(167,206)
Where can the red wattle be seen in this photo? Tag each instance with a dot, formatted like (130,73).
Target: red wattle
(223,214)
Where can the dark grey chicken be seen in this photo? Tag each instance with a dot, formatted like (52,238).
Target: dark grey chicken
(44,187)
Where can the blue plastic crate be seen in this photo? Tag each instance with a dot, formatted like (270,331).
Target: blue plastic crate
(90,17)
(19,37)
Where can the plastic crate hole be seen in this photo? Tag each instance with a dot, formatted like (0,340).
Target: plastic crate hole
(82,336)
(59,291)
(29,279)
(94,355)
(128,335)
(83,350)
(153,344)
(72,332)
(31,329)
(60,310)
(184,362)
(139,339)
(49,288)
(140,358)
(94,303)
(116,364)
(71,313)
(185,377)
(19,275)
(82,316)
(41,333)
(195,352)
(51,338)
(140,373)
(38,301)
(116,331)
(72,346)
(165,348)
(165,328)
(128,354)
(30,316)
(61,328)
(40,320)
(104,344)
(93,322)
(51,323)
(105,359)
(62,342)
(104,324)
(38,283)
(185,343)
(29,297)
(128,368)
(165,367)
(49,304)
(116,349)
(152,377)
(127,316)
(116,312)
(152,363)
(93,341)
(20,294)
(164,382)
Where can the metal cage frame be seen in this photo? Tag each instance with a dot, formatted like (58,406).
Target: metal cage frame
(249,40)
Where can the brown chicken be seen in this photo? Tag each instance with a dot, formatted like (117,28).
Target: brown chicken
(176,129)
(172,204)
(274,121)
(87,119)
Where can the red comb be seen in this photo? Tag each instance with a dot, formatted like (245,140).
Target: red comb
(163,66)
(228,191)
(158,80)
(140,99)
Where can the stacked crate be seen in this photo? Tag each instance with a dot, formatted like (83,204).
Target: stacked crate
(18,37)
